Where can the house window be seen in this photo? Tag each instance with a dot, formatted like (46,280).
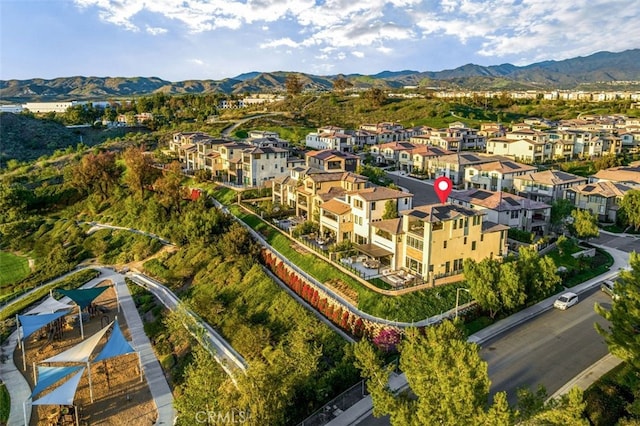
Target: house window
(358,204)
(262,167)
(465,240)
(473,245)
(444,245)
(415,243)
(373,205)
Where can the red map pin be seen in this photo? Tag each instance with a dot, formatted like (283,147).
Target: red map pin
(443,187)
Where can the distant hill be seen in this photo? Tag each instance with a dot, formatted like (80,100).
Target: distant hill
(599,68)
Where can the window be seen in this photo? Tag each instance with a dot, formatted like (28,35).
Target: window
(515,214)
(444,245)
(437,226)
(373,205)
(473,245)
(465,240)
(455,224)
(358,204)
(262,167)
(415,243)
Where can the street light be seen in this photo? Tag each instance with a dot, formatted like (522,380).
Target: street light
(458,297)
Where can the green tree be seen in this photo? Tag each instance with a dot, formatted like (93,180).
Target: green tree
(631,205)
(538,273)
(293,84)
(623,337)
(169,187)
(494,285)
(340,84)
(537,409)
(375,97)
(560,210)
(390,210)
(139,170)
(585,224)
(13,202)
(446,374)
(96,173)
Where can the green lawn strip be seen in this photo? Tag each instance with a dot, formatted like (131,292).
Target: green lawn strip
(410,307)
(581,269)
(13,268)
(71,282)
(5,404)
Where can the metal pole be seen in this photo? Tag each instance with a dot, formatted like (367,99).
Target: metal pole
(81,327)
(90,385)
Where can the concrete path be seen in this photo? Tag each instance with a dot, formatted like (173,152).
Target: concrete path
(156,380)
(19,389)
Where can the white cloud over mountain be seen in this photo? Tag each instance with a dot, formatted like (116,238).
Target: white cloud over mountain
(334,29)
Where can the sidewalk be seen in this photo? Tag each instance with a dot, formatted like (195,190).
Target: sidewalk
(20,391)
(364,407)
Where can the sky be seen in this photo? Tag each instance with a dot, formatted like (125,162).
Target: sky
(180,40)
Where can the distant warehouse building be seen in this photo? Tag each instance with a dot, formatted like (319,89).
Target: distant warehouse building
(44,107)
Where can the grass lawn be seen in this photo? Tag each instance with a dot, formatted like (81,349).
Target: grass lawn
(582,269)
(12,268)
(410,307)
(5,404)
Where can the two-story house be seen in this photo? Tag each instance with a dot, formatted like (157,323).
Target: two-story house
(496,175)
(546,186)
(507,209)
(416,160)
(600,198)
(389,153)
(330,137)
(261,165)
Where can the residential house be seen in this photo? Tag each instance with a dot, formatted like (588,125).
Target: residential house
(495,175)
(624,174)
(529,146)
(438,238)
(331,160)
(546,186)
(453,165)
(262,164)
(492,130)
(600,198)
(330,137)
(507,209)
(415,160)
(389,153)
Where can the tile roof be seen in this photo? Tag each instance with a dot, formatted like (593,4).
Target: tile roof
(498,201)
(552,177)
(336,206)
(488,227)
(603,189)
(620,174)
(504,167)
(392,226)
(377,193)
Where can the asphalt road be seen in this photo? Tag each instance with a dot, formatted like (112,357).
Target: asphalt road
(626,244)
(549,350)
(422,191)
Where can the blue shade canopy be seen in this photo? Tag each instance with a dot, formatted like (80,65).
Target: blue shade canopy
(32,323)
(47,376)
(115,346)
(83,296)
(63,394)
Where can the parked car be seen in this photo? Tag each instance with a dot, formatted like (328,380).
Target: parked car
(566,301)
(608,287)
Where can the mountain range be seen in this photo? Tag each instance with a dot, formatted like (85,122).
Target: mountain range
(602,69)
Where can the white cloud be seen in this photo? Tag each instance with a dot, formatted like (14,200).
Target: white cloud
(156,30)
(527,29)
(197,61)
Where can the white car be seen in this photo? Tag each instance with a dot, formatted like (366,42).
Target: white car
(566,301)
